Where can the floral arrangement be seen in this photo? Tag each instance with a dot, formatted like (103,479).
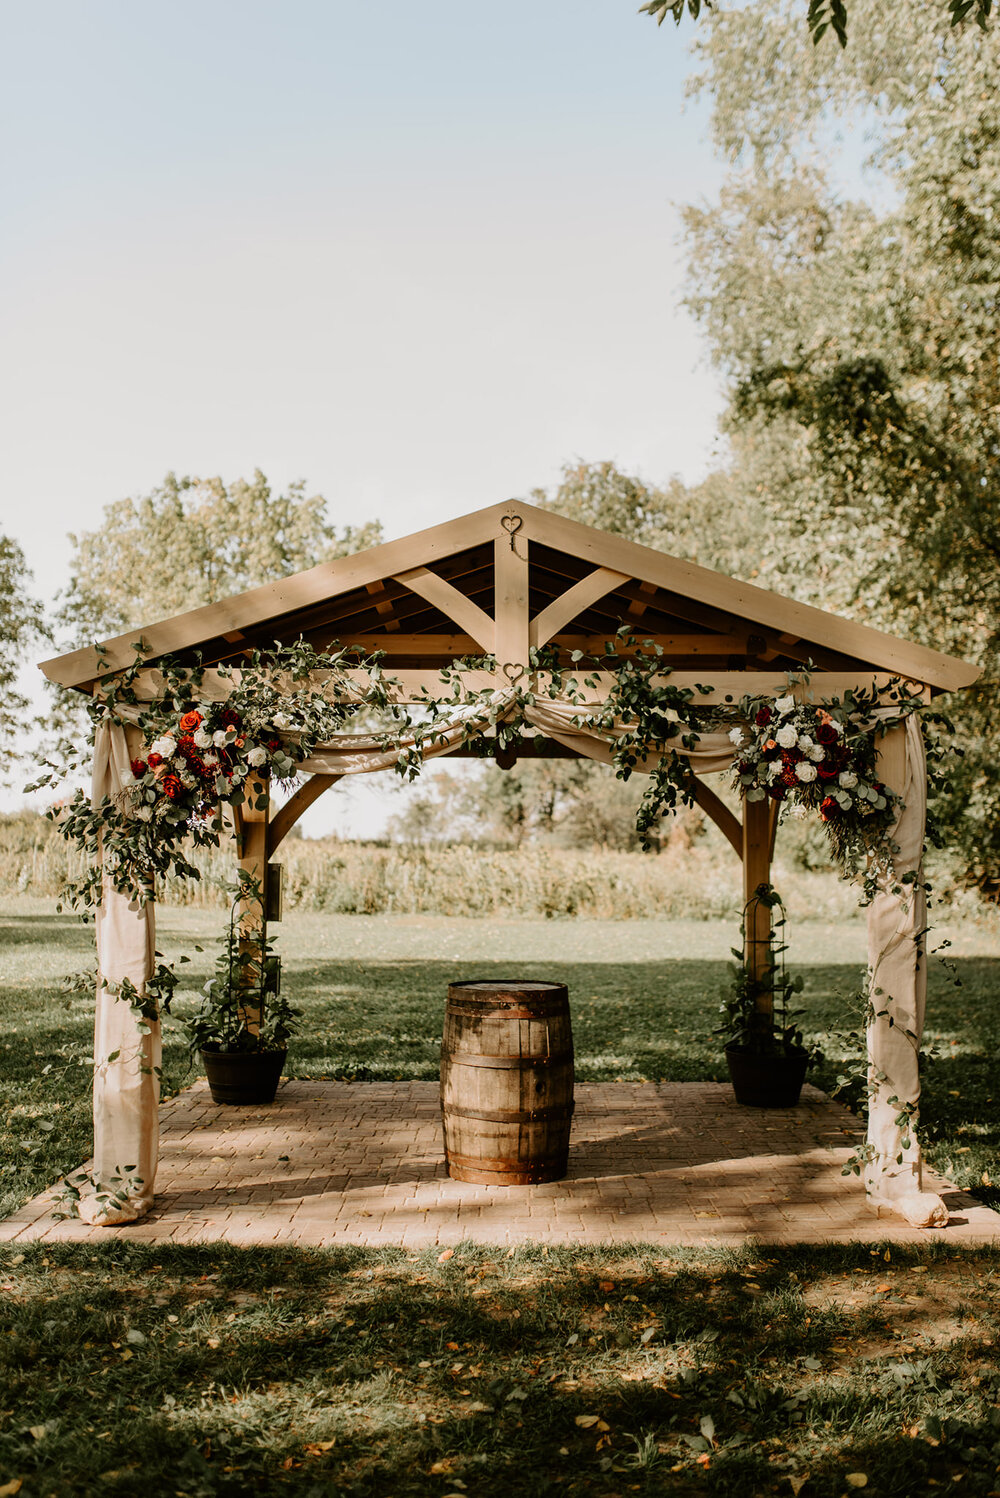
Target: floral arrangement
(201,751)
(203,757)
(820,758)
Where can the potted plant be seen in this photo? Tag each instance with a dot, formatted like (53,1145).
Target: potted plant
(765,1050)
(241,1030)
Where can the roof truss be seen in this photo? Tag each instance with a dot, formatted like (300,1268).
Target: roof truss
(512,577)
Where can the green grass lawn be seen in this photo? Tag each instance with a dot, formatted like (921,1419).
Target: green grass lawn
(205,1371)
(129,1369)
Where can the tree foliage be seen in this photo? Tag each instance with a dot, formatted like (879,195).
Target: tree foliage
(704,523)
(191,542)
(859,342)
(21,626)
(821,15)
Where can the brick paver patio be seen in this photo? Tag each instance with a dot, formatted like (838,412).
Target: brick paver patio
(332,1162)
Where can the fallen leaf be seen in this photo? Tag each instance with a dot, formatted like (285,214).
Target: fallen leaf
(135,1337)
(317,1448)
(10,1488)
(857,1479)
(214,1342)
(605,1286)
(451,1346)
(446,1464)
(449,1253)
(480,1408)
(707,1427)
(40,1431)
(648,1334)
(586,1421)
(882,1289)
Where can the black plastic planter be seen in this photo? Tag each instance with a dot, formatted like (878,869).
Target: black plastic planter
(773,1081)
(243,1076)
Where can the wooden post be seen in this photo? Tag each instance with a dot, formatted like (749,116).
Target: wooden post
(511,593)
(251,848)
(757,871)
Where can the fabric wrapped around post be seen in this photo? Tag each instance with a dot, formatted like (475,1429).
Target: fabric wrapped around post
(127,1088)
(898,977)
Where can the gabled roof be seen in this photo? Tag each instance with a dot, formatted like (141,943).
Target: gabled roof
(511,576)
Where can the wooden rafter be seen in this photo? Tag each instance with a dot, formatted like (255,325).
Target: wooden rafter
(576,600)
(454,605)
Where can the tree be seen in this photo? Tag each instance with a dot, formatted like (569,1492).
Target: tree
(564,803)
(21,625)
(193,541)
(704,523)
(859,342)
(821,15)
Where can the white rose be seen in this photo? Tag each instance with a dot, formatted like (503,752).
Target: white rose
(281,720)
(787,737)
(817,753)
(736,736)
(163,746)
(202,738)
(784,705)
(774,769)
(257,757)
(805,771)
(805,743)
(847,779)
(219,738)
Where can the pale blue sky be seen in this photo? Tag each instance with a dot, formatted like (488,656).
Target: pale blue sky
(420,255)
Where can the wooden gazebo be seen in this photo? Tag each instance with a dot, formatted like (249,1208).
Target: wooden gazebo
(510,578)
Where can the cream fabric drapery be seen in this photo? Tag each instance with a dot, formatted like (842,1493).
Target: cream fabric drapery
(126,1090)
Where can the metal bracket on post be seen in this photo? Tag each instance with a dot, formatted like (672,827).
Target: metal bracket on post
(274,892)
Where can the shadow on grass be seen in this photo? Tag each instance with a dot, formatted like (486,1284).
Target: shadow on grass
(220,1371)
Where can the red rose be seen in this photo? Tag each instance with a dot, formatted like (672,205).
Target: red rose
(776,791)
(827,772)
(826,733)
(172,787)
(229,717)
(763,717)
(138,767)
(190,721)
(154,760)
(829,809)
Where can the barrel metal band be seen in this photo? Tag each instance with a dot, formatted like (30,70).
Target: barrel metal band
(512,1115)
(507,1167)
(507,1063)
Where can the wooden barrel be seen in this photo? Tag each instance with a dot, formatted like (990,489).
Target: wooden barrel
(507,1082)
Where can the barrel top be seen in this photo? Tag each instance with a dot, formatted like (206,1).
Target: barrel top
(509,985)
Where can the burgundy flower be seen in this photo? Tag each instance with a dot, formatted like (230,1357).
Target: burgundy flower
(776,791)
(154,760)
(827,771)
(138,767)
(826,734)
(829,809)
(172,787)
(763,717)
(229,718)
